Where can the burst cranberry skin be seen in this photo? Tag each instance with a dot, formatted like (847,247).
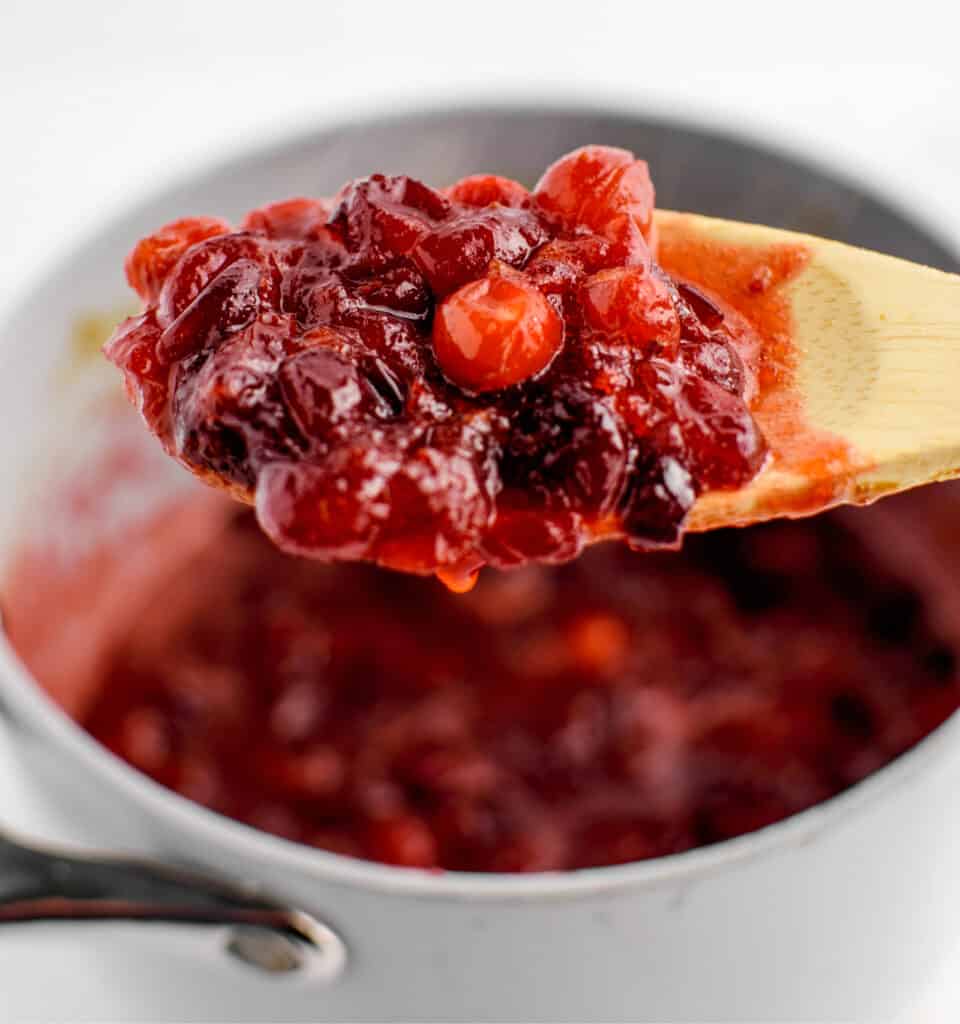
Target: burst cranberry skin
(463,249)
(195,271)
(228,301)
(565,442)
(437,380)
(495,332)
(291,218)
(482,190)
(633,302)
(606,191)
(383,217)
(152,258)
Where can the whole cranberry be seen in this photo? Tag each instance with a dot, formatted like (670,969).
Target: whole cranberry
(496,332)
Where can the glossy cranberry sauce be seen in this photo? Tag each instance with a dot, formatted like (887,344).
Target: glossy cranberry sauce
(435,380)
(619,707)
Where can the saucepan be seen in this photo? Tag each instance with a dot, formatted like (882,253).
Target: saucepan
(841,911)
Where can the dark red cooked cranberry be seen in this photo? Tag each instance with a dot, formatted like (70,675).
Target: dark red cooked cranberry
(495,332)
(320,359)
(383,217)
(533,525)
(396,340)
(228,302)
(318,296)
(399,290)
(441,498)
(718,362)
(229,411)
(660,495)
(334,508)
(200,264)
(724,448)
(320,387)
(568,440)
(559,268)
(463,248)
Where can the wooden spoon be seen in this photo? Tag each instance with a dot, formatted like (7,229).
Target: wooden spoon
(873,406)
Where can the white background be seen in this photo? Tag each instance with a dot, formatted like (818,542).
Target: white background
(102,101)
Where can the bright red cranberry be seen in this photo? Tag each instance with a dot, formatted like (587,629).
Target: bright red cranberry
(495,332)
(633,302)
(606,190)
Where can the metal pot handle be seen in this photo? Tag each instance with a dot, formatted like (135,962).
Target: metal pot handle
(46,883)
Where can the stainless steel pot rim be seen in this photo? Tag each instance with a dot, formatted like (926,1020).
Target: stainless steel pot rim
(29,707)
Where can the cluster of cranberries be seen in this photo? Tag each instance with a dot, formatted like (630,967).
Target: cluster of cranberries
(434,380)
(615,708)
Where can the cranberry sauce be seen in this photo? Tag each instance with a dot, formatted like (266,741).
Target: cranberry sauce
(435,380)
(619,707)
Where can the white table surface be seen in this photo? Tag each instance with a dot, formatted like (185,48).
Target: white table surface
(103,101)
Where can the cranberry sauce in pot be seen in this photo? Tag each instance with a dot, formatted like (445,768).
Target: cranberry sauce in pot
(620,707)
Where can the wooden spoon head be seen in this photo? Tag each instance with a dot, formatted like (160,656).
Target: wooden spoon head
(859,373)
